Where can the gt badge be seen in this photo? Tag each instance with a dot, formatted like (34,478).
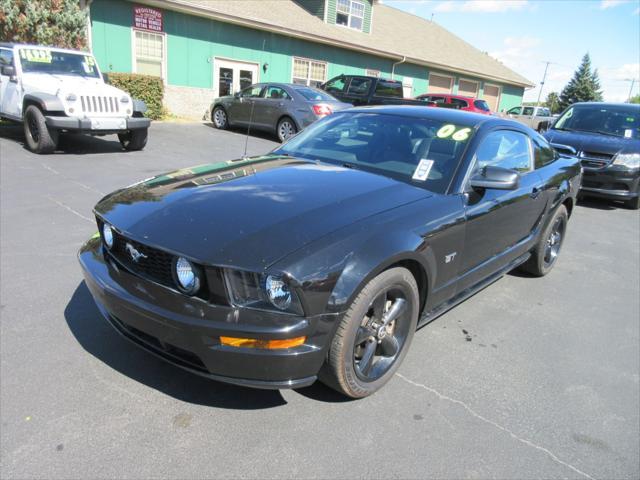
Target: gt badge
(135,254)
(450,257)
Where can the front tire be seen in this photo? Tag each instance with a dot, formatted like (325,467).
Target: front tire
(374,335)
(219,118)
(39,137)
(134,139)
(286,128)
(546,251)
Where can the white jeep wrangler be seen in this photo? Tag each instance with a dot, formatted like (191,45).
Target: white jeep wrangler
(52,90)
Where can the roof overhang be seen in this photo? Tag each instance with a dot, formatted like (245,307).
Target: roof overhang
(191,9)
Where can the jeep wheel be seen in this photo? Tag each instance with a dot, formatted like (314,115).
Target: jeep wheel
(40,138)
(374,335)
(133,139)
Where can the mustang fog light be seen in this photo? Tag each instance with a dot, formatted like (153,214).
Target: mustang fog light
(107,235)
(278,292)
(265,344)
(186,276)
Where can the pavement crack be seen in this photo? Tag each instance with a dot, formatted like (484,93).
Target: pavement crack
(484,419)
(67,207)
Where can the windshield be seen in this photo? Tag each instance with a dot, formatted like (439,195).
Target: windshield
(315,95)
(616,120)
(422,151)
(37,60)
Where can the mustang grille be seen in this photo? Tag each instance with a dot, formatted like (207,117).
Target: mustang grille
(152,263)
(99,104)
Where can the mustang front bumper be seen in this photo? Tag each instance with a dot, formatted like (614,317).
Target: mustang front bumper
(612,182)
(97,125)
(186,330)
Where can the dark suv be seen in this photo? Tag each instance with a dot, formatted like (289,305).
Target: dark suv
(606,139)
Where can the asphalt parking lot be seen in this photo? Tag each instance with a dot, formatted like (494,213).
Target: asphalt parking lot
(546,387)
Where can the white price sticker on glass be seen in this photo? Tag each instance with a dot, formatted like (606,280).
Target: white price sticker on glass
(628,133)
(422,170)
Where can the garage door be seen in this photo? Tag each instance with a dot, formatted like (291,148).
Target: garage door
(467,88)
(492,96)
(439,84)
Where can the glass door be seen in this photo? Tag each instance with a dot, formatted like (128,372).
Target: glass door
(231,76)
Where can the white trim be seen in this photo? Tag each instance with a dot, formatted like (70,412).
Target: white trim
(326,8)
(477,82)
(134,69)
(238,63)
(310,60)
(484,84)
(452,79)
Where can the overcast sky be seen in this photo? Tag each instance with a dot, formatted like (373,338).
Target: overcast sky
(523,34)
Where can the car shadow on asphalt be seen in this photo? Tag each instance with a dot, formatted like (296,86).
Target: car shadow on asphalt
(99,339)
(254,132)
(69,144)
(599,203)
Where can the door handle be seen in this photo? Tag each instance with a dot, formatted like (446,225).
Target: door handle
(535,192)
(280,104)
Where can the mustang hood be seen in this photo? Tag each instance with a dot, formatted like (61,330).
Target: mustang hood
(249,213)
(593,142)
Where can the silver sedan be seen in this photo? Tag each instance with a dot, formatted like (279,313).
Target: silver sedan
(283,108)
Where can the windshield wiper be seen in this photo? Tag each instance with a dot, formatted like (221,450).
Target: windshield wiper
(601,132)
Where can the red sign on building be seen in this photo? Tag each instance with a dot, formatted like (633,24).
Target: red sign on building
(147,18)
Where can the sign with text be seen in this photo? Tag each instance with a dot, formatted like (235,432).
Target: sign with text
(146,18)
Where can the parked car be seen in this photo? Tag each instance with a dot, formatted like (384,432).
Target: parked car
(459,102)
(322,257)
(605,137)
(362,90)
(283,108)
(538,118)
(52,90)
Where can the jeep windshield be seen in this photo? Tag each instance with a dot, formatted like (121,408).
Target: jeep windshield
(424,152)
(38,60)
(613,120)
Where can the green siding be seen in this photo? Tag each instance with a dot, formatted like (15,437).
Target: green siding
(193,43)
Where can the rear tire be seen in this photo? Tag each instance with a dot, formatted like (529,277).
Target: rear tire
(360,330)
(546,251)
(134,139)
(286,129)
(39,137)
(634,203)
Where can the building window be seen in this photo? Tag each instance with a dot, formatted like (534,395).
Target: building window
(309,72)
(149,53)
(350,13)
(372,73)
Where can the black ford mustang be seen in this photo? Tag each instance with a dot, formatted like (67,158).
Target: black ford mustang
(322,258)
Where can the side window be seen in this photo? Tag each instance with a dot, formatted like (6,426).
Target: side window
(336,85)
(543,153)
(514,111)
(252,92)
(458,103)
(6,57)
(527,111)
(506,149)
(359,86)
(433,98)
(277,93)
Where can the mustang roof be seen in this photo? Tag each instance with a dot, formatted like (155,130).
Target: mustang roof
(395,34)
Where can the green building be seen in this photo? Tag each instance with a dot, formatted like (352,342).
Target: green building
(208,48)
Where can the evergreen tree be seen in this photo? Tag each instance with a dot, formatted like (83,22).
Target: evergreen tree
(553,102)
(60,23)
(583,87)
(635,99)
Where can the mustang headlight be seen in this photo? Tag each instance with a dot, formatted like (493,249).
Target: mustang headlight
(629,160)
(266,292)
(107,235)
(187,276)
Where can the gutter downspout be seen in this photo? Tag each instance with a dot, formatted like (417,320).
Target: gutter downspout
(393,67)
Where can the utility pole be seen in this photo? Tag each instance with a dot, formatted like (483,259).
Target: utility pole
(544,77)
(633,81)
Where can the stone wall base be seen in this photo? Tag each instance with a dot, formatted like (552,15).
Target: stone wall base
(188,102)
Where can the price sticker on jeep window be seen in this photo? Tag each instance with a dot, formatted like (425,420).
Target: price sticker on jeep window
(453,132)
(36,55)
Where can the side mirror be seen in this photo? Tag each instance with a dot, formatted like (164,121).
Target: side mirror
(105,78)
(496,178)
(8,70)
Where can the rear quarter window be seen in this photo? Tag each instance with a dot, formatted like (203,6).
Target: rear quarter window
(389,89)
(543,153)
